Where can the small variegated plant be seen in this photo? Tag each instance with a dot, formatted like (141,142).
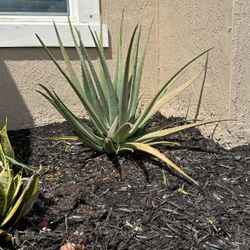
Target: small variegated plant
(16,195)
(113,104)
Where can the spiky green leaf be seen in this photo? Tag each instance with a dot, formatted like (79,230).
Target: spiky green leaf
(154,152)
(111,94)
(168,131)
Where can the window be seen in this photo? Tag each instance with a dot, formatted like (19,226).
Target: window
(29,7)
(21,19)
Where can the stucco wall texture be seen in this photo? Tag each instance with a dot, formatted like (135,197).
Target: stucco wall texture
(181,30)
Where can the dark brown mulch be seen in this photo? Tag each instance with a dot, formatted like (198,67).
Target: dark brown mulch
(87,199)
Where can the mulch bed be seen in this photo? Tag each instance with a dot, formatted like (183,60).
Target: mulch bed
(94,202)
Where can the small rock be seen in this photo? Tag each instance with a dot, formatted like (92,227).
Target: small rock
(138,228)
(123,189)
(237,158)
(75,218)
(165,196)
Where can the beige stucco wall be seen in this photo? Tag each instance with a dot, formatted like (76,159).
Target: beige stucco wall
(240,72)
(181,30)
(188,28)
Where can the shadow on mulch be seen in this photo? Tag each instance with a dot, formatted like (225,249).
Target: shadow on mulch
(84,199)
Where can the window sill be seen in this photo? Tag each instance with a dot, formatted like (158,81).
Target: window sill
(22,34)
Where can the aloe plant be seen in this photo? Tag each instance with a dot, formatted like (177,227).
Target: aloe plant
(16,197)
(113,104)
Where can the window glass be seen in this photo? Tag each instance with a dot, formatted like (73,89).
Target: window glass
(38,7)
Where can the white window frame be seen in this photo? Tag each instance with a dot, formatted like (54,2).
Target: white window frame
(20,30)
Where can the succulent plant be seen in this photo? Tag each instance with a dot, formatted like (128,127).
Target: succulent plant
(16,195)
(113,105)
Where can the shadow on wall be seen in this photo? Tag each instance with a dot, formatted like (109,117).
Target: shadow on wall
(12,105)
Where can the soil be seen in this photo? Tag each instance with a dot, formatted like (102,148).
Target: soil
(92,201)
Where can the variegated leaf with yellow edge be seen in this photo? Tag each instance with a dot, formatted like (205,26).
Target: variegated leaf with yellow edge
(5,142)
(23,203)
(16,198)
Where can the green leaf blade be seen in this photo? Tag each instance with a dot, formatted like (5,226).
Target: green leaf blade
(154,152)
(127,81)
(111,94)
